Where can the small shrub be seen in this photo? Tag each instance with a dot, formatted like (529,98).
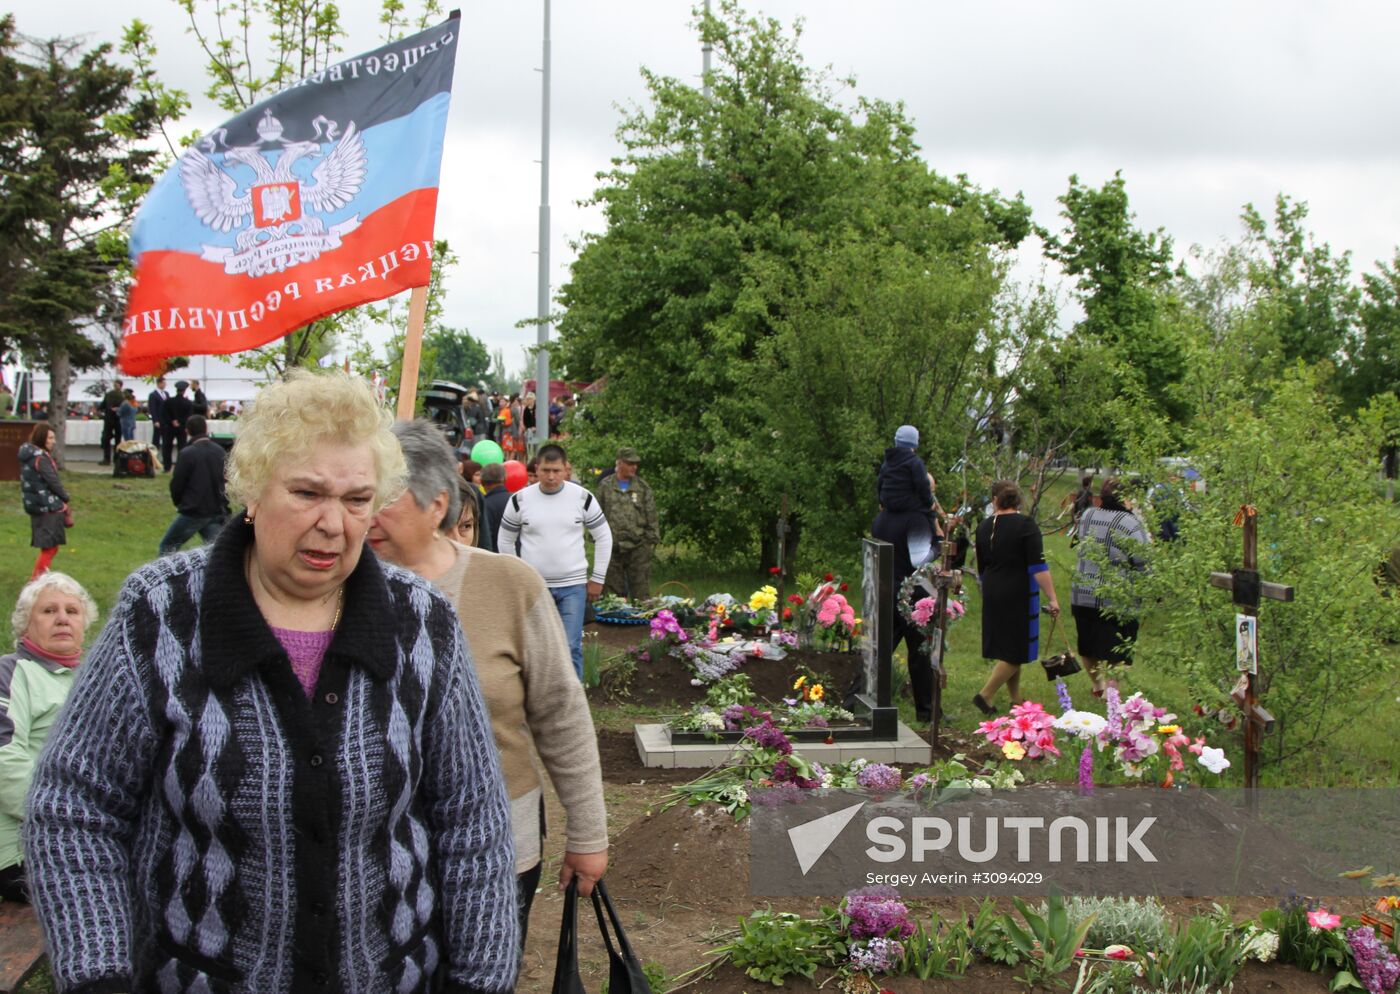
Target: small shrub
(1118,920)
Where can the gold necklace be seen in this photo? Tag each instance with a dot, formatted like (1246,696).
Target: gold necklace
(339,606)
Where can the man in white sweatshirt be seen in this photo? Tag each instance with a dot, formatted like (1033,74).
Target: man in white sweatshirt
(549,518)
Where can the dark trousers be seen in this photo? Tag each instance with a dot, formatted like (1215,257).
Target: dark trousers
(111,434)
(920,666)
(184,528)
(171,438)
(525,886)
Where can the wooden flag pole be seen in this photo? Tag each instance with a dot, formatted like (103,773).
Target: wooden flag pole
(412,352)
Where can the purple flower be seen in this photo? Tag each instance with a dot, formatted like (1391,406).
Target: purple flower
(1376,967)
(1086,770)
(1063,693)
(879,956)
(1138,709)
(879,777)
(877,912)
(767,736)
(817,721)
(919,781)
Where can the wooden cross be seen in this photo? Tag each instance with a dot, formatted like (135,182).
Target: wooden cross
(1246,588)
(782,559)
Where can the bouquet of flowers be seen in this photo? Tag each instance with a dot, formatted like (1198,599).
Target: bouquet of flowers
(1140,735)
(667,631)
(1029,731)
(835,623)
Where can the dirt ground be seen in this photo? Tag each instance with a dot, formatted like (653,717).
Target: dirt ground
(679,878)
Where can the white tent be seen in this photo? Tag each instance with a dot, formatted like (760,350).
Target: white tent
(218,377)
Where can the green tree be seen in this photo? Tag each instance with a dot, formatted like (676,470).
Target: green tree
(460,356)
(1306,290)
(723,215)
(1373,355)
(1123,277)
(73,144)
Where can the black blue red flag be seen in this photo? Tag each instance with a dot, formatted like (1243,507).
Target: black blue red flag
(315,200)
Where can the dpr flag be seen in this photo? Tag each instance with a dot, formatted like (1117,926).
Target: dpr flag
(317,199)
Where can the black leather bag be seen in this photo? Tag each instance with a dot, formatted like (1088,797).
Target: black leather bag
(625,974)
(1063,665)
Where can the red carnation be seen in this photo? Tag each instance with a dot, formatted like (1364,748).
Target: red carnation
(844,588)
(828,578)
(787,614)
(774,570)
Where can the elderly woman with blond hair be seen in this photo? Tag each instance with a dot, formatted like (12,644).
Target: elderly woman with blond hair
(275,771)
(49,621)
(522,659)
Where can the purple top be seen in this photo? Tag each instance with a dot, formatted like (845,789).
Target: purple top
(306,650)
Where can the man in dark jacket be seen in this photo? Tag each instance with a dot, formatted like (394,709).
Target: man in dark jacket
(197,490)
(177,414)
(493,505)
(155,407)
(906,521)
(111,421)
(198,401)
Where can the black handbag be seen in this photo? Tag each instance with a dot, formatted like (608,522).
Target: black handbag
(1063,665)
(625,975)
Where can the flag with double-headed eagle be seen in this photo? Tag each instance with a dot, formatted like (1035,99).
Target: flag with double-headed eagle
(317,199)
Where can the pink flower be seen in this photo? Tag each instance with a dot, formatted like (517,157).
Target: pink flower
(1118,952)
(1196,746)
(1324,919)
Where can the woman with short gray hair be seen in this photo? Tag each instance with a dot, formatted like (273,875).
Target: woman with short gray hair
(49,620)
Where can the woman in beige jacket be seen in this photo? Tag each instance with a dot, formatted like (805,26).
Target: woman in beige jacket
(522,663)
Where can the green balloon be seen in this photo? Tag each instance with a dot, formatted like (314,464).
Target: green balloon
(486,452)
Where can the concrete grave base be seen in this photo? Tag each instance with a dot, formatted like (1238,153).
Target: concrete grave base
(655,748)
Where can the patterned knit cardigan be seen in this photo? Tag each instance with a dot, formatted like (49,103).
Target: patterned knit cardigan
(197,824)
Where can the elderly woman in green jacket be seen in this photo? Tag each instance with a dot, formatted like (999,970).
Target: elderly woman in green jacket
(49,621)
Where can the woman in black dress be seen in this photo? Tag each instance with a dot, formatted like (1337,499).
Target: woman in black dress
(1013,572)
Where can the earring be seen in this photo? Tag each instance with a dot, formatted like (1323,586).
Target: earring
(247,518)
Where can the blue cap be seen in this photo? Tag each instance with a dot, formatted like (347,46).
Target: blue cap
(906,437)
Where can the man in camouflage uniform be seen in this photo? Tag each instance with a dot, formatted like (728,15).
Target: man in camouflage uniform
(628,504)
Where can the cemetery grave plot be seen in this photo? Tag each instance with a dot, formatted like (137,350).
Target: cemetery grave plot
(680,879)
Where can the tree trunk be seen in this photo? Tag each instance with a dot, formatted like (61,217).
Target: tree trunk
(60,377)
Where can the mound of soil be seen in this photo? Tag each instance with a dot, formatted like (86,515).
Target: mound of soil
(665,683)
(696,857)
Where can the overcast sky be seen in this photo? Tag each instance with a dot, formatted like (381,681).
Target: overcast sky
(1204,106)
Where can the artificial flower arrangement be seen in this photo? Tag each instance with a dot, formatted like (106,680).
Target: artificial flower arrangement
(825,617)
(921,611)
(1139,738)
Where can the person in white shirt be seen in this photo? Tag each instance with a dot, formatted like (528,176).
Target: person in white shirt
(549,518)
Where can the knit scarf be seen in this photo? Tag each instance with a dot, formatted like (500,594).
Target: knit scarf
(69,659)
